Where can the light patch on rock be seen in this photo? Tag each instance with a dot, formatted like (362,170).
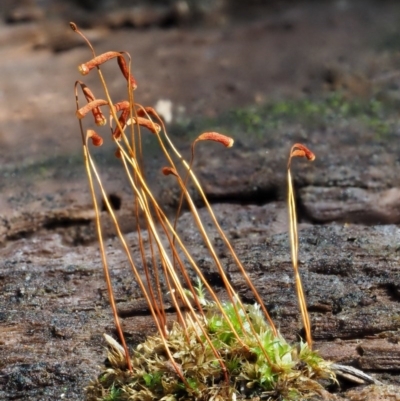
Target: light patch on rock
(164,109)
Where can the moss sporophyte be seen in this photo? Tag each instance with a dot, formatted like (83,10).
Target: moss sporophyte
(214,350)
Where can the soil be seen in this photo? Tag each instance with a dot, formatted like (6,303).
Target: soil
(332,68)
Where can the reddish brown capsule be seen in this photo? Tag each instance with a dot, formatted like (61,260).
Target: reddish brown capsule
(98,115)
(121,106)
(150,125)
(302,151)
(87,92)
(125,72)
(215,136)
(299,150)
(144,112)
(97,140)
(122,123)
(73,26)
(85,68)
(99,118)
(89,107)
(169,171)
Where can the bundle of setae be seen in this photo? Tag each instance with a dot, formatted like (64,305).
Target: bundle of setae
(213,350)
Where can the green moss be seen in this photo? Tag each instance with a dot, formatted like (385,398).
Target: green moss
(290,372)
(113,394)
(332,110)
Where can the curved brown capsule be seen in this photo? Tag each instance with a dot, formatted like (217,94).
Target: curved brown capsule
(85,68)
(89,107)
(97,140)
(216,137)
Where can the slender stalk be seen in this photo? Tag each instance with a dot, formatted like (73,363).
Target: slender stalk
(298,150)
(100,238)
(138,278)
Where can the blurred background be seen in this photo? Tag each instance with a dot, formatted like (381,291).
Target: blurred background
(117,13)
(202,64)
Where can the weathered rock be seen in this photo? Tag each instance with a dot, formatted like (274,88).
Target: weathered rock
(352,205)
(54,302)
(380,354)
(375,393)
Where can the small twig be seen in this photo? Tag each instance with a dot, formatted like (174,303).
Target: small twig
(354,375)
